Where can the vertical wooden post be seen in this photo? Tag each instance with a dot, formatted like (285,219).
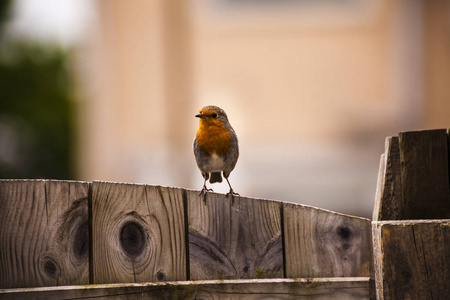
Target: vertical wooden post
(412,258)
(44,233)
(415,181)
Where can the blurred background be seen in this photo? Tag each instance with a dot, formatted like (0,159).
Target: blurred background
(108,90)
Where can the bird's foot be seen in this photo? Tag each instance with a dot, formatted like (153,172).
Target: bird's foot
(204,191)
(232,193)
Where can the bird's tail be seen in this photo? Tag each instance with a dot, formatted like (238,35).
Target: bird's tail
(215,177)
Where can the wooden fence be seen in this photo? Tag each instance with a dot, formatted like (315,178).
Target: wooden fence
(67,239)
(411,226)
(78,233)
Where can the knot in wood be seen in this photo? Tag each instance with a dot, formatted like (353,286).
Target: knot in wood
(132,238)
(81,241)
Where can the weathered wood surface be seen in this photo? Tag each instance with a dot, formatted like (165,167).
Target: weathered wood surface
(311,289)
(44,233)
(138,233)
(69,233)
(321,243)
(413,180)
(425,174)
(412,259)
(388,198)
(234,237)
(376,215)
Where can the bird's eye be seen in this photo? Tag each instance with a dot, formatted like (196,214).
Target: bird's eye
(214,115)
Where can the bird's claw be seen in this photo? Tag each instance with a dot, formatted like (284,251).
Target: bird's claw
(204,191)
(232,193)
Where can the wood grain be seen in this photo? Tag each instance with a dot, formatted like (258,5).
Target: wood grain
(44,233)
(138,233)
(321,243)
(311,289)
(380,188)
(388,200)
(232,239)
(425,174)
(377,260)
(413,258)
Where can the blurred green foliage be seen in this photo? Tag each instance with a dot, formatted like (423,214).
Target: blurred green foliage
(36,109)
(4,13)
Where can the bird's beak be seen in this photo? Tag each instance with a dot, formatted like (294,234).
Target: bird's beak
(200,116)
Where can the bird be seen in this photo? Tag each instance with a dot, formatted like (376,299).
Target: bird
(216,147)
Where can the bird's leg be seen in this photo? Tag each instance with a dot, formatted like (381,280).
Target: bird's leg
(231,192)
(204,189)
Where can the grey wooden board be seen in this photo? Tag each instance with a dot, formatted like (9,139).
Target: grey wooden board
(388,200)
(320,243)
(311,289)
(377,260)
(138,233)
(425,174)
(413,259)
(380,188)
(233,239)
(44,233)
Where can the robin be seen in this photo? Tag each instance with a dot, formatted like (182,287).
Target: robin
(215,146)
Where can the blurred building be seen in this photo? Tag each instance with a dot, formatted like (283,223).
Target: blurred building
(312,88)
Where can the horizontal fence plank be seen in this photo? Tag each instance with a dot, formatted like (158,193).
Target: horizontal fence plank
(320,243)
(311,289)
(138,233)
(234,237)
(44,233)
(412,259)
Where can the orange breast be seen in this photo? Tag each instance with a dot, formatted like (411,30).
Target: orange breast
(213,138)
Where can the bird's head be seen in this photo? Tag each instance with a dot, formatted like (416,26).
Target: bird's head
(212,116)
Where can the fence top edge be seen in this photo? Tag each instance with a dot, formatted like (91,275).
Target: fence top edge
(279,202)
(424,131)
(44,180)
(299,205)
